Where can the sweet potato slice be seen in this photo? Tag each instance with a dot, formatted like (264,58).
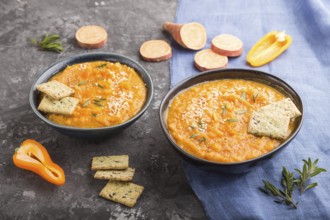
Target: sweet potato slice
(155,50)
(191,35)
(227,45)
(91,36)
(207,60)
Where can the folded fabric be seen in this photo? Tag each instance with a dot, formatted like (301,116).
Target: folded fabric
(305,66)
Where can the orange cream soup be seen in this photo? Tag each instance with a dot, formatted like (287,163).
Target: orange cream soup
(210,120)
(109,94)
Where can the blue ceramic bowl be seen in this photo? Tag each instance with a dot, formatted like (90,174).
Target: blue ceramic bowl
(90,132)
(262,77)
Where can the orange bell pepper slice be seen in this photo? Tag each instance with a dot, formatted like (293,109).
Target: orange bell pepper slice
(33,156)
(268,48)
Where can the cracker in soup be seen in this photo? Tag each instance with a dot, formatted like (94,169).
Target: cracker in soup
(55,89)
(64,106)
(270,124)
(273,120)
(284,107)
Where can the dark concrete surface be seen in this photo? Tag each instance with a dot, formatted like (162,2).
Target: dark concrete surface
(23,194)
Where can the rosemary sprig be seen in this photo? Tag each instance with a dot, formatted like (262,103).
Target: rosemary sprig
(201,125)
(82,83)
(283,195)
(202,139)
(289,183)
(224,110)
(102,87)
(192,127)
(243,96)
(49,43)
(232,120)
(308,171)
(241,111)
(86,103)
(100,100)
(193,135)
(254,97)
(98,104)
(101,65)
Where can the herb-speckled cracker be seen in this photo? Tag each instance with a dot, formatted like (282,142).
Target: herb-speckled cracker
(270,124)
(125,193)
(284,107)
(55,89)
(273,120)
(110,162)
(119,175)
(65,106)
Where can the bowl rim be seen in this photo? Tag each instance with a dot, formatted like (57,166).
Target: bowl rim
(202,160)
(74,59)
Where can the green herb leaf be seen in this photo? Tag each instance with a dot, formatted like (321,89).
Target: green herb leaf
(241,111)
(194,135)
(232,120)
(100,100)
(49,43)
(203,139)
(101,66)
(312,185)
(254,97)
(224,110)
(86,103)
(82,83)
(94,114)
(97,103)
(243,96)
(34,41)
(201,125)
(100,86)
(191,126)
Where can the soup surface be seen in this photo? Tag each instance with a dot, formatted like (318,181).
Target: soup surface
(109,94)
(210,120)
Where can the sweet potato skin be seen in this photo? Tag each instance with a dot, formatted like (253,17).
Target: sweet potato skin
(227,53)
(179,34)
(174,30)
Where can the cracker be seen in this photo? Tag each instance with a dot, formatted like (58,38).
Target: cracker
(270,124)
(119,175)
(110,162)
(125,193)
(55,89)
(65,106)
(285,107)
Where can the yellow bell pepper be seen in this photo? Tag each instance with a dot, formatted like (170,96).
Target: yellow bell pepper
(268,48)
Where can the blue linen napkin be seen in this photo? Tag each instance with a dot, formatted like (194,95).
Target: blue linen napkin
(305,66)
